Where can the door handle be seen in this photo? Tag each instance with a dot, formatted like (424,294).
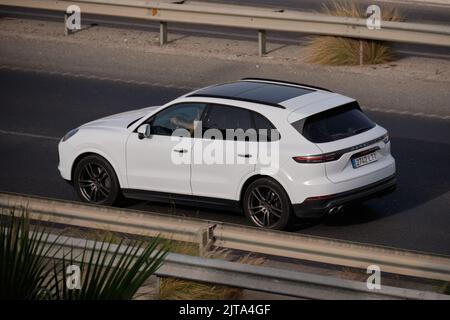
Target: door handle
(245,155)
(180,150)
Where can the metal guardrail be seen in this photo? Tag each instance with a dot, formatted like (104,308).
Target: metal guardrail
(258,278)
(207,233)
(257,18)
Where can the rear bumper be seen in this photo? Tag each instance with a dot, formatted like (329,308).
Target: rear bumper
(317,207)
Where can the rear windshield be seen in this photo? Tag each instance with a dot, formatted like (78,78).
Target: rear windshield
(334,124)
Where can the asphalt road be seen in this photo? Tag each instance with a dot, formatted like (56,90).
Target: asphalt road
(410,13)
(36,109)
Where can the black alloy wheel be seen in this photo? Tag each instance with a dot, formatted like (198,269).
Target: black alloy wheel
(95,181)
(267,205)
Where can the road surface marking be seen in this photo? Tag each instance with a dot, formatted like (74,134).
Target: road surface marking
(29,135)
(162,85)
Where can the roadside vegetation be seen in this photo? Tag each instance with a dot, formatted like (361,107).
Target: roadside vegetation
(30,271)
(180,289)
(446,289)
(330,50)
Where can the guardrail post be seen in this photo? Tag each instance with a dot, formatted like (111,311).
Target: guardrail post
(205,239)
(66,30)
(262,42)
(158,286)
(361,53)
(162,33)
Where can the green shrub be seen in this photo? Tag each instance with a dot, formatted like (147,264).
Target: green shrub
(29,270)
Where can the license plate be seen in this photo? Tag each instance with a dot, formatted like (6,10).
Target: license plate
(362,161)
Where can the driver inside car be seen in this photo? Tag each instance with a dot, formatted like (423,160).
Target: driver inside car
(182,123)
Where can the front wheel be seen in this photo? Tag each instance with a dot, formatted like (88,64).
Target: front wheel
(267,205)
(95,181)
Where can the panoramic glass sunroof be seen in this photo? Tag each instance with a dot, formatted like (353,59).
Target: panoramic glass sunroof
(256,91)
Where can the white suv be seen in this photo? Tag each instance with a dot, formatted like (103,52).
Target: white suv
(324,152)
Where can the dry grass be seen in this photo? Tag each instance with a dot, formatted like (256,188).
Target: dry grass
(187,248)
(351,274)
(178,289)
(346,51)
(95,234)
(446,288)
(173,288)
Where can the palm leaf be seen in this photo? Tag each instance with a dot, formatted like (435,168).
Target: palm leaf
(23,261)
(111,274)
(29,268)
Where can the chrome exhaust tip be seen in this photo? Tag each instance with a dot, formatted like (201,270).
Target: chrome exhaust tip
(332,211)
(335,210)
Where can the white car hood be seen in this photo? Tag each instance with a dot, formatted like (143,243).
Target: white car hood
(122,119)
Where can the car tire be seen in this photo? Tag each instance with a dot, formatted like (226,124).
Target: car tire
(95,181)
(267,205)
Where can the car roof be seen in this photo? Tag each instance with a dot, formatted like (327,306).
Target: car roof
(273,93)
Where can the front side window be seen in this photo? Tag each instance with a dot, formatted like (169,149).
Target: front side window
(180,116)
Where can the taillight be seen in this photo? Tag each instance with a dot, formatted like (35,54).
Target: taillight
(386,138)
(332,156)
(326,157)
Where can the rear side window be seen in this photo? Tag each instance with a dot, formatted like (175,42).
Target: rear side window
(225,117)
(264,127)
(334,124)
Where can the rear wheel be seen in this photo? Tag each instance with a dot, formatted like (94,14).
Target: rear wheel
(95,181)
(267,205)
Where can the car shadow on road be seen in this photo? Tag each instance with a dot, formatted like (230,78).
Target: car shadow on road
(176,209)
(422,175)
